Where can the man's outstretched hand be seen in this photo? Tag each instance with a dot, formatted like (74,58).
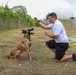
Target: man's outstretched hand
(37,19)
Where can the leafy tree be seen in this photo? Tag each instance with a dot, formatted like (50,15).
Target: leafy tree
(21,10)
(47,16)
(25,19)
(7,16)
(15,17)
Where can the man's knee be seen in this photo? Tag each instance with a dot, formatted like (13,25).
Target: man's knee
(58,61)
(59,57)
(46,44)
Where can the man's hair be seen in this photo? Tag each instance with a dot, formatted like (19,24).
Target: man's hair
(53,14)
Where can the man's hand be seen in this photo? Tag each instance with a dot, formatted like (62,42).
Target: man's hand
(36,19)
(51,35)
(46,33)
(42,24)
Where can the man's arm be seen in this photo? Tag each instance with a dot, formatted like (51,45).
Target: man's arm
(42,24)
(54,36)
(51,35)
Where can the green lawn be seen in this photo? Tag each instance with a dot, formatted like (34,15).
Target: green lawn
(42,62)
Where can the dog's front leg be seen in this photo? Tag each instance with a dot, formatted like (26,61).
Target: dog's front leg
(18,57)
(28,50)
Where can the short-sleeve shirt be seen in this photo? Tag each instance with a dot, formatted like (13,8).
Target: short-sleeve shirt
(58,29)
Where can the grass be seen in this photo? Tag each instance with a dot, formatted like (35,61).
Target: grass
(42,63)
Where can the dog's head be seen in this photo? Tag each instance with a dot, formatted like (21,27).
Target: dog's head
(27,32)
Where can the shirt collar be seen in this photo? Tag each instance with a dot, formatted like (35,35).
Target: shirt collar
(55,21)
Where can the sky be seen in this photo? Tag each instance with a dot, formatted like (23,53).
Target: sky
(39,8)
(73,4)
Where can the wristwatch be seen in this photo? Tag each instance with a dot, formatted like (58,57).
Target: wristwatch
(39,21)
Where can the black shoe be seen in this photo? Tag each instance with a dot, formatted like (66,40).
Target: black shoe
(74,57)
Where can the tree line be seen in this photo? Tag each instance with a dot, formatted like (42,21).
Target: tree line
(15,17)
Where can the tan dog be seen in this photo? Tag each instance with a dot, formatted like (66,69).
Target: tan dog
(23,46)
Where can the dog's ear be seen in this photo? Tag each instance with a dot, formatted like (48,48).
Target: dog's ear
(24,31)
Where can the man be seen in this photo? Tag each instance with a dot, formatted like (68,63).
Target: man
(60,43)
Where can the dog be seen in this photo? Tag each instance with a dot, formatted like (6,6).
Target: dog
(23,46)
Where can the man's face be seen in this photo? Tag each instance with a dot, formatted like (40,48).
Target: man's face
(51,19)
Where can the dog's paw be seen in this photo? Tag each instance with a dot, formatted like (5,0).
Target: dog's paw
(30,59)
(8,57)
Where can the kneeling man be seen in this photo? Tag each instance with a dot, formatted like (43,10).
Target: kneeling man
(60,42)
